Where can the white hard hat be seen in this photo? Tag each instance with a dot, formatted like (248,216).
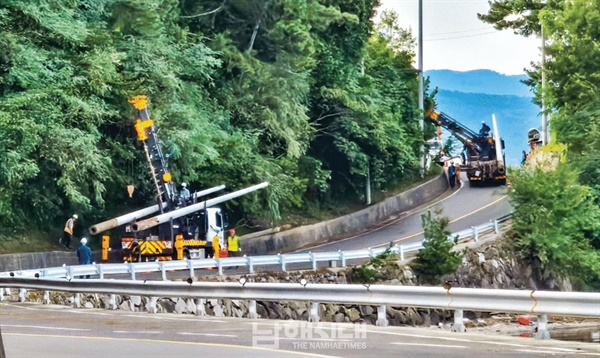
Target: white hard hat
(75,216)
(84,241)
(183,185)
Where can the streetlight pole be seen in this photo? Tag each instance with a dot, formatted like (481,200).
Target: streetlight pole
(421,105)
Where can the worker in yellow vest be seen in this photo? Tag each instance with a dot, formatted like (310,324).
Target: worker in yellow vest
(233,244)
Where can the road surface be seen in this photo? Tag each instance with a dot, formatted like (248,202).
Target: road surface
(34,330)
(465,207)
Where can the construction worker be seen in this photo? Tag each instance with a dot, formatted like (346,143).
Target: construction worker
(452,175)
(233,244)
(68,232)
(216,247)
(84,254)
(485,130)
(184,194)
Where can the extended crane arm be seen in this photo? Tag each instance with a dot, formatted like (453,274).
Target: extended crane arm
(158,163)
(462,133)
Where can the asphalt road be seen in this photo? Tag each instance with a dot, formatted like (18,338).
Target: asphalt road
(34,330)
(464,207)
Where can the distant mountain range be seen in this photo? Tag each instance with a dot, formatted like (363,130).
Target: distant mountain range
(479,81)
(473,96)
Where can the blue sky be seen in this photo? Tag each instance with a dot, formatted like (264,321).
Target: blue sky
(455,39)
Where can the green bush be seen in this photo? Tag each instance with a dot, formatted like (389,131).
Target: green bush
(436,258)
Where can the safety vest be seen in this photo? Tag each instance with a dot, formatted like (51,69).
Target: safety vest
(69,226)
(216,248)
(233,243)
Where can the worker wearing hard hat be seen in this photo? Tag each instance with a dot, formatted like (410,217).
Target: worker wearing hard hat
(184,194)
(84,253)
(68,232)
(233,244)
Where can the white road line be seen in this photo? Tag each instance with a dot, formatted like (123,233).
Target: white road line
(535,351)
(448,338)
(428,345)
(162,318)
(206,334)
(139,332)
(554,350)
(44,327)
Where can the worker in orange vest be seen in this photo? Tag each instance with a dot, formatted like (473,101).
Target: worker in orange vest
(68,232)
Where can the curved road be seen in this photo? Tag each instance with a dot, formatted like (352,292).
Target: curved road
(465,207)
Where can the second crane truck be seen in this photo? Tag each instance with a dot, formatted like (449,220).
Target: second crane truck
(484,159)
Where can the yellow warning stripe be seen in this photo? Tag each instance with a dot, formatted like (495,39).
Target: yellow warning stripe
(152,247)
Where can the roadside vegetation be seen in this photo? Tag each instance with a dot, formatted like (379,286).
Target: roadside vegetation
(436,259)
(312,96)
(309,96)
(556,195)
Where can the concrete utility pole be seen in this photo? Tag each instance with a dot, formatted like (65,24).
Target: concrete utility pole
(420,69)
(544,116)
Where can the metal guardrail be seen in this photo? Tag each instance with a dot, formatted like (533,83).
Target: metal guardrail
(282,260)
(584,304)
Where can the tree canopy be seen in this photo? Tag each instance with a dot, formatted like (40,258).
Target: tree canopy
(308,95)
(557,206)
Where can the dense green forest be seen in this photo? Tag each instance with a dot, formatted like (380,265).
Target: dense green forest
(310,96)
(556,195)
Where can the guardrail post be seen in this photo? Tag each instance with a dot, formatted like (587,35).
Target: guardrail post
(252,310)
(371,252)
(190,264)
(220,267)
(496,226)
(314,312)
(77,300)
(475,233)
(249,263)
(382,320)
(343,258)
(112,302)
(152,305)
(458,325)
(132,270)
(22,292)
(163,271)
(401,252)
(200,308)
(282,262)
(46,297)
(100,269)
(1,294)
(313,258)
(542,328)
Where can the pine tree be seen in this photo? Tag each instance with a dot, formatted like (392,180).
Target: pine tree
(436,258)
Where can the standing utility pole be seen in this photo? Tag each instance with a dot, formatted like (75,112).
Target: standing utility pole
(421,105)
(544,116)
